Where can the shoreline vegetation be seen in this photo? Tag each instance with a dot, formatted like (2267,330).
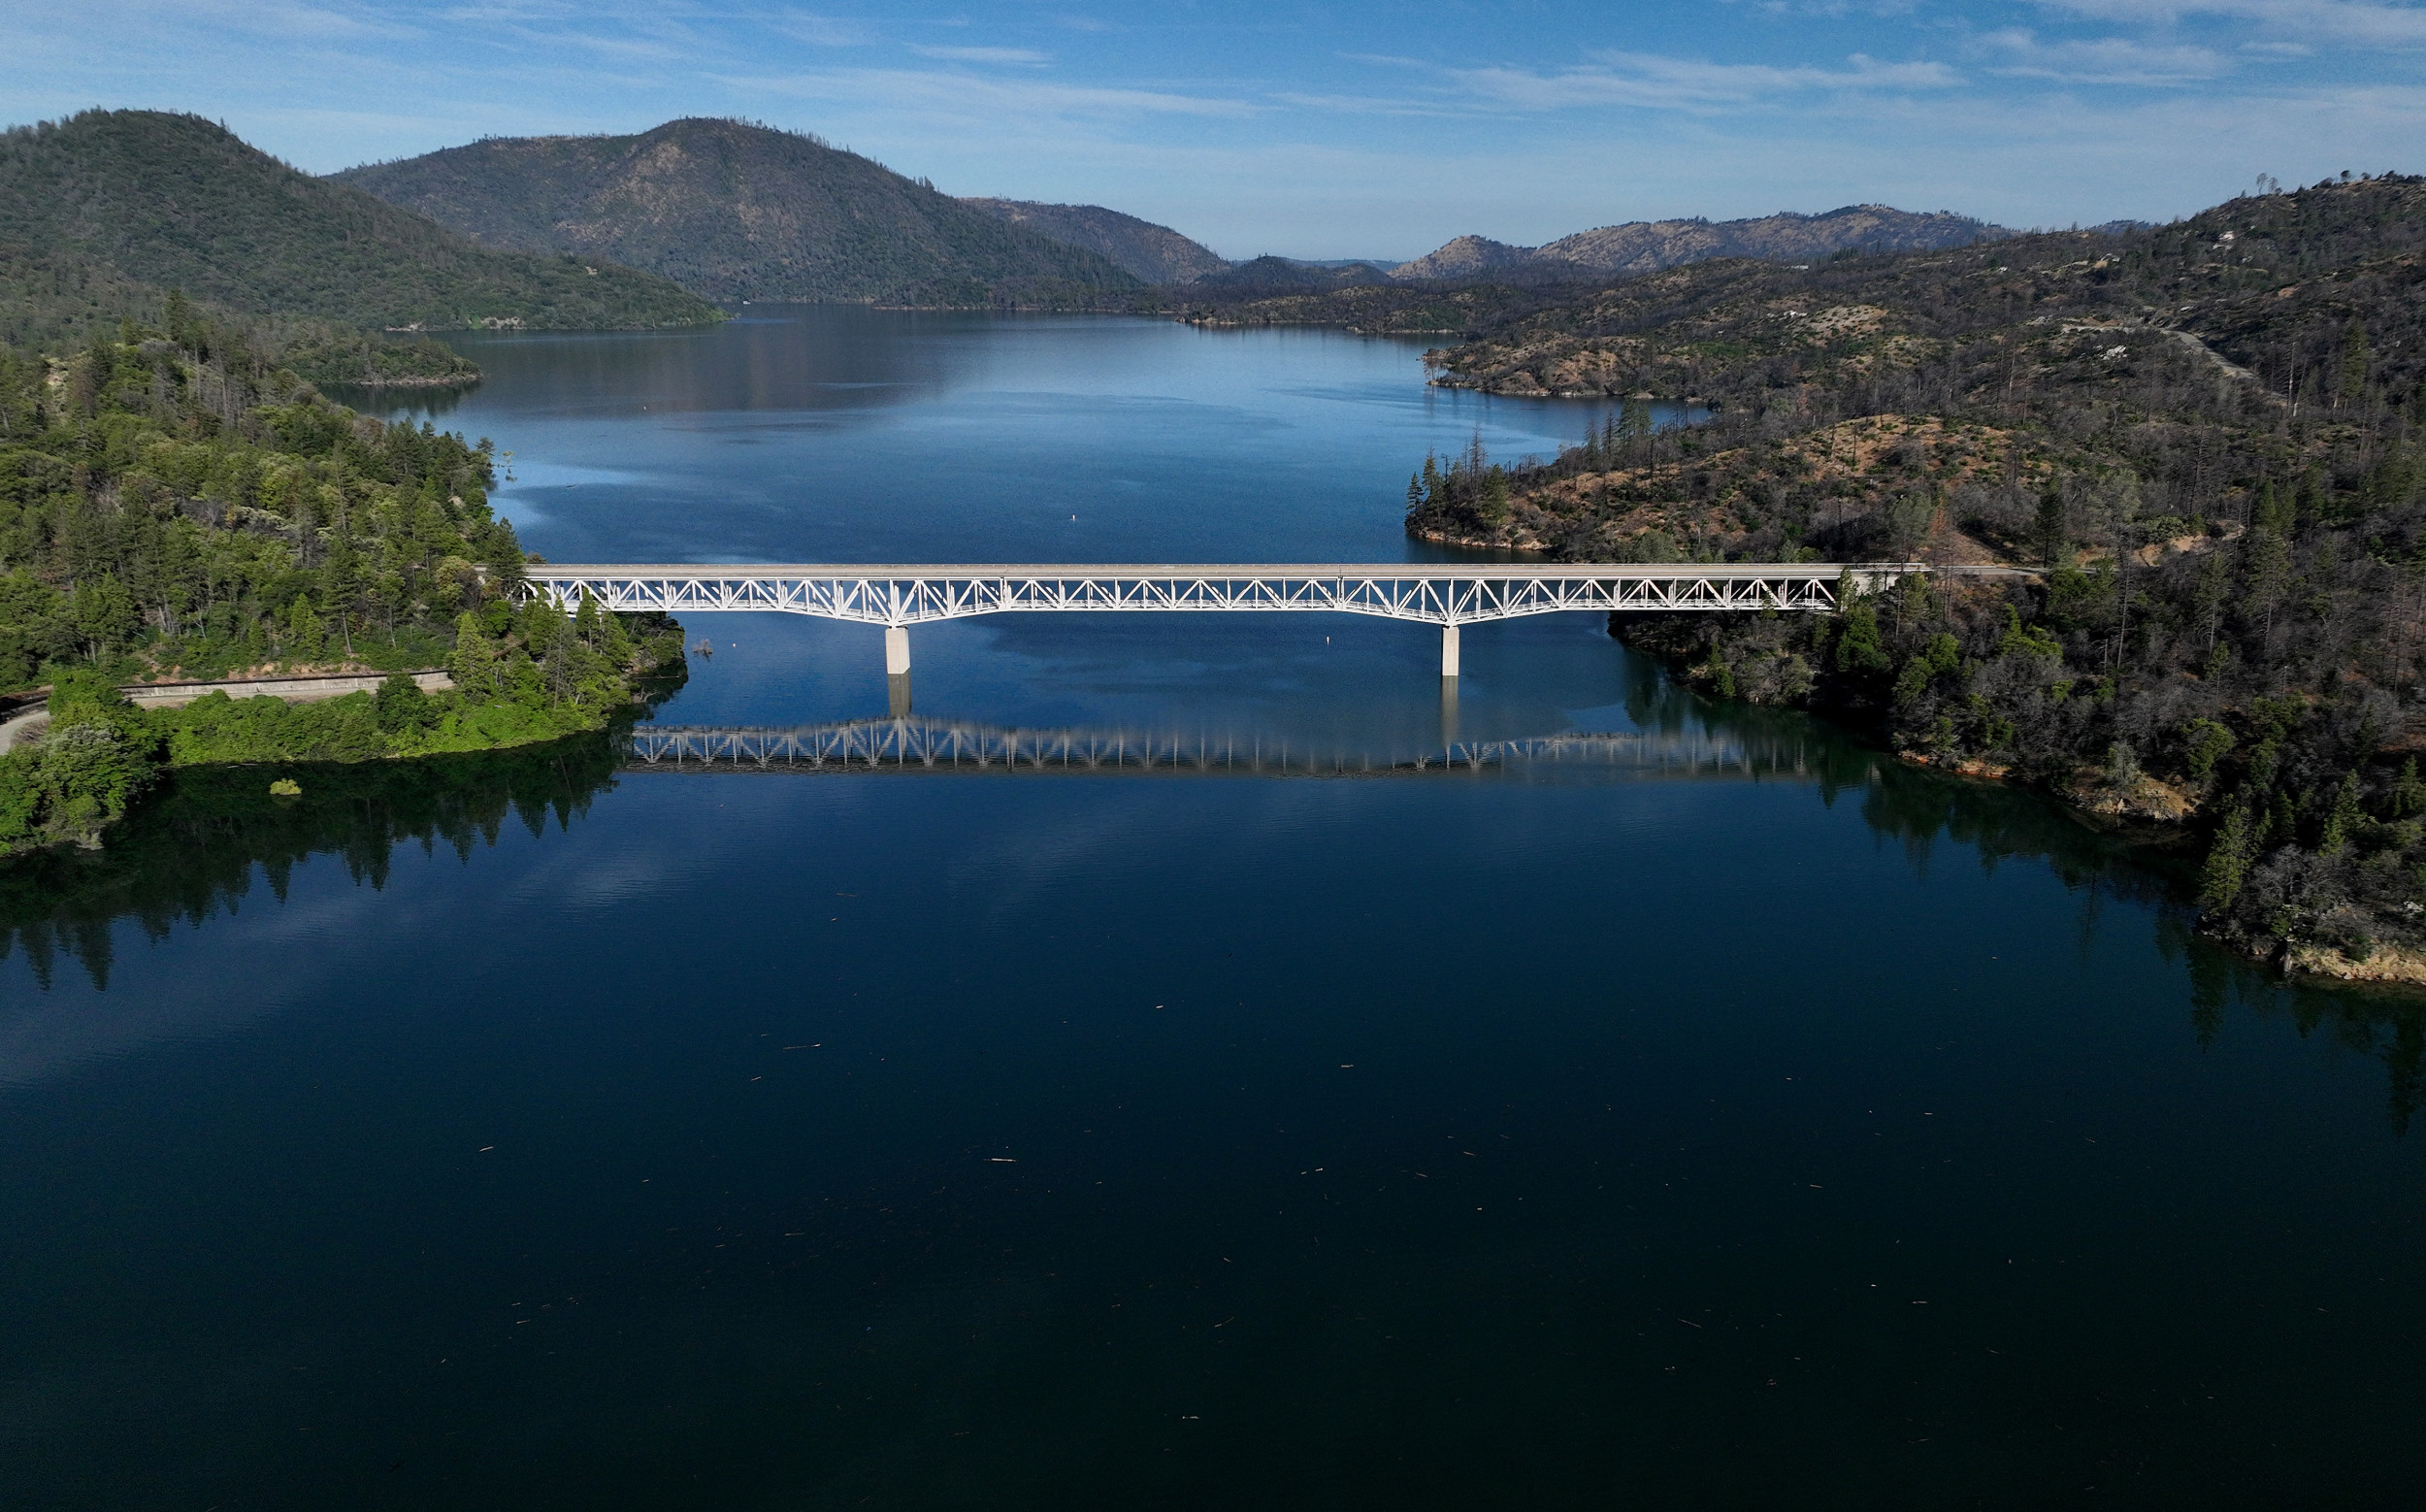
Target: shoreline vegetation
(2207,440)
(177,505)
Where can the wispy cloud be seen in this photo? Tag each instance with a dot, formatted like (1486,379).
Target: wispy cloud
(1371,104)
(981,98)
(825,31)
(2364,22)
(2017,53)
(983,54)
(1656,81)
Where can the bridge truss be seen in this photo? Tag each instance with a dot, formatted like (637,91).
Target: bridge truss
(1432,594)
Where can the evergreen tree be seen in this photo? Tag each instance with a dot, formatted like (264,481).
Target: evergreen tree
(1857,646)
(473,666)
(1634,425)
(2354,386)
(2227,863)
(1491,505)
(2409,794)
(2050,528)
(2342,820)
(303,635)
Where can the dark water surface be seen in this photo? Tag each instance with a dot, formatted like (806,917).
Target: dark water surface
(1710,1116)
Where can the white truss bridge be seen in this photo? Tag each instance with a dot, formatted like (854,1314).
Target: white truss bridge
(934,745)
(1446,594)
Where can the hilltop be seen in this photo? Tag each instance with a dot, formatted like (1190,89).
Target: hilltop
(1648,246)
(2265,283)
(1145,252)
(138,202)
(737,211)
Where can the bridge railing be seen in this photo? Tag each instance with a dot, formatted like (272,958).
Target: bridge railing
(1447,595)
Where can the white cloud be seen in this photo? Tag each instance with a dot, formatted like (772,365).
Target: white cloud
(1371,105)
(980,101)
(1654,81)
(983,54)
(2103,60)
(824,31)
(2370,22)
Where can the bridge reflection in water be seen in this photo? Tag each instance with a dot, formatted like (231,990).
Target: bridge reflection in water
(949,745)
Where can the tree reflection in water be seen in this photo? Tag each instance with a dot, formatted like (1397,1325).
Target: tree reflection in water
(1996,822)
(197,846)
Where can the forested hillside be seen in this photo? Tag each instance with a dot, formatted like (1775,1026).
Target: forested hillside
(163,201)
(173,504)
(738,212)
(2205,436)
(61,302)
(1145,252)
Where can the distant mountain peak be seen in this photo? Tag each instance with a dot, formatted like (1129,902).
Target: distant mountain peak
(733,209)
(1648,246)
(172,200)
(1464,257)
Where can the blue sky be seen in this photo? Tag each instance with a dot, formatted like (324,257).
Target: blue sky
(1353,129)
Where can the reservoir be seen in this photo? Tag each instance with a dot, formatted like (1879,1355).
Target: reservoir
(1409,1107)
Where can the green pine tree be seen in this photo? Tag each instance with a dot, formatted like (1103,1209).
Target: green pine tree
(473,665)
(2353,386)
(304,634)
(2342,820)
(2409,794)
(2227,863)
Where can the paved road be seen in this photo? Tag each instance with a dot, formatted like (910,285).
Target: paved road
(30,723)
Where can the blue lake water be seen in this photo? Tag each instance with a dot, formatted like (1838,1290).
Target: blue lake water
(1708,1116)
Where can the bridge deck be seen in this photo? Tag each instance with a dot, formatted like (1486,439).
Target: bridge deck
(1446,594)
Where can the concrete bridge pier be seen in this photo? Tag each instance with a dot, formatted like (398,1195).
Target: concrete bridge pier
(1449,650)
(896,683)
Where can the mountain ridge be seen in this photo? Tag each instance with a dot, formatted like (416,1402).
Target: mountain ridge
(1638,247)
(1146,252)
(733,211)
(166,200)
